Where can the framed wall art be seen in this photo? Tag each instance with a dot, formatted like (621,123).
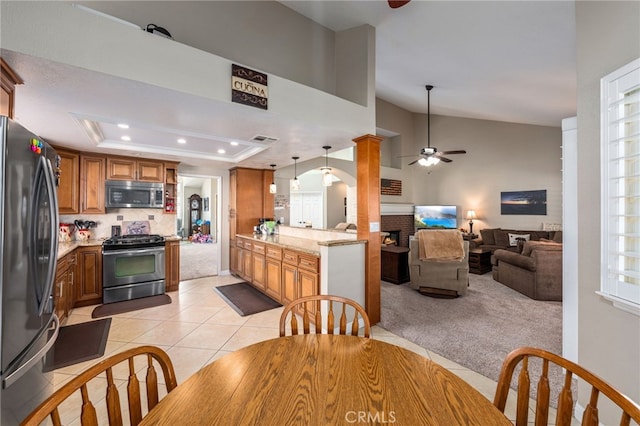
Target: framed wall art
(524,202)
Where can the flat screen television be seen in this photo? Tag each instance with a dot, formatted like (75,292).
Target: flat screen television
(435,217)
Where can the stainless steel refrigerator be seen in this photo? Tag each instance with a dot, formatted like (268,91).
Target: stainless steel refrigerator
(29,237)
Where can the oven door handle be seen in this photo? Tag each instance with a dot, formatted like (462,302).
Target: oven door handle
(132,252)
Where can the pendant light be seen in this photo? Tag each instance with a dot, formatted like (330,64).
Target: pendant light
(327,179)
(273,188)
(294,184)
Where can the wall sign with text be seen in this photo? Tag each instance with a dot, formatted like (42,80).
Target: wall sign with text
(249,87)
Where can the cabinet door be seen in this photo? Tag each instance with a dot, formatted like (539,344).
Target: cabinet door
(70,290)
(69,183)
(121,168)
(150,171)
(247,263)
(273,278)
(172,265)
(92,184)
(258,267)
(89,286)
(58,295)
(233,258)
(307,286)
(289,283)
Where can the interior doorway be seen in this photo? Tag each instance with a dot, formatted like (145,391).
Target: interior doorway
(198,223)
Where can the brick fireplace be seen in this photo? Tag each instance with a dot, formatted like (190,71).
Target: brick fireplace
(401,224)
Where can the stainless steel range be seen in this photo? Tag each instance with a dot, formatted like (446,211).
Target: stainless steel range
(133,266)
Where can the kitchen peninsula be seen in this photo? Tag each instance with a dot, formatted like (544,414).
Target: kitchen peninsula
(299,262)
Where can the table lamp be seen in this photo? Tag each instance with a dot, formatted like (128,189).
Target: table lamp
(471,214)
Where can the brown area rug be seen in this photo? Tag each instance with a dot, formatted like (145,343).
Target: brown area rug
(245,299)
(78,343)
(130,305)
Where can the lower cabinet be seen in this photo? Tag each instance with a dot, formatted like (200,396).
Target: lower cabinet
(64,291)
(283,274)
(172,265)
(89,279)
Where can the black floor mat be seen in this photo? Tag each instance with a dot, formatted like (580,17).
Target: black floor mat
(246,300)
(130,305)
(77,343)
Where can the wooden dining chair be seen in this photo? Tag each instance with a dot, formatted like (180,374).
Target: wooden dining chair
(88,417)
(522,356)
(310,309)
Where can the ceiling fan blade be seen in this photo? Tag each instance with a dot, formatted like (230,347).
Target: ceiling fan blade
(414,162)
(445,159)
(459,151)
(396,4)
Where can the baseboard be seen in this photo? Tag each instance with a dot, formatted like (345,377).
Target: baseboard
(225,272)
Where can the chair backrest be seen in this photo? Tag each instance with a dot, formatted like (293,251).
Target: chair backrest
(311,309)
(49,408)
(630,410)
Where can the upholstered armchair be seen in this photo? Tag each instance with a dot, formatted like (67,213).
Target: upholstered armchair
(446,275)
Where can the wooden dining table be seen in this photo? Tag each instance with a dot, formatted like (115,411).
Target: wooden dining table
(324,380)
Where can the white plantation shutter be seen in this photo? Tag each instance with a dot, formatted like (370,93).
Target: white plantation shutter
(620,148)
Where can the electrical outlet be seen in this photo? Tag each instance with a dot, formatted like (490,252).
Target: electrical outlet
(119,217)
(151,217)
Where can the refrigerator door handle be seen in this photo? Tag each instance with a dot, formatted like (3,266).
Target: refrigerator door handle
(49,178)
(26,366)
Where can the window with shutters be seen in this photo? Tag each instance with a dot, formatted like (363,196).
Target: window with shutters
(620,148)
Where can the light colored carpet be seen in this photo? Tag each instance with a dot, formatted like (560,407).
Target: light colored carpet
(198,260)
(477,330)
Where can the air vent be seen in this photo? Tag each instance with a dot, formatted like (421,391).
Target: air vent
(263,139)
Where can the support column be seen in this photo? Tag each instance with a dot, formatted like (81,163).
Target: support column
(368,218)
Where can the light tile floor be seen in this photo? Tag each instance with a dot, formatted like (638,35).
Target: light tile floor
(198,327)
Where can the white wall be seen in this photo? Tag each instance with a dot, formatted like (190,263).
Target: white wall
(500,157)
(608,37)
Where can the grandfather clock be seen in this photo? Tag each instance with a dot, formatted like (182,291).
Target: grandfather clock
(195,209)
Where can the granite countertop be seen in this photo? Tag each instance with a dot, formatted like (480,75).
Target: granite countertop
(296,243)
(68,247)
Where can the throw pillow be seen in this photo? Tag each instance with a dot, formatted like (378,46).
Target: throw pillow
(513,238)
(487,236)
(502,238)
(557,236)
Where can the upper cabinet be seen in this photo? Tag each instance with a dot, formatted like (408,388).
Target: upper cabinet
(92,184)
(121,168)
(68,184)
(170,189)
(8,80)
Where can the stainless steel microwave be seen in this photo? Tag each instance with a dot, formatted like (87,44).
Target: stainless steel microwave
(133,194)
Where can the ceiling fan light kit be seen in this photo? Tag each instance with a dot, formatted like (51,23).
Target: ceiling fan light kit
(430,154)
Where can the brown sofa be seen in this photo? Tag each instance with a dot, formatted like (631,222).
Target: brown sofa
(536,272)
(506,239)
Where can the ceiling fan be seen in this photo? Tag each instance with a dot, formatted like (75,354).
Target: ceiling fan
(396,4)
(430,155)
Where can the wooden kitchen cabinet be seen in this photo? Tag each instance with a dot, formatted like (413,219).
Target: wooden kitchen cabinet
(123,168)
(89,275)
(64,293)
(69,182)
(249,200)
(258,265)
(92,173)
(300,276)
(273,271)
(172,265)
(8,80)
(170,187)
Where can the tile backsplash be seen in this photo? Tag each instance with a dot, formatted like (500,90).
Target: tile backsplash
(161,223)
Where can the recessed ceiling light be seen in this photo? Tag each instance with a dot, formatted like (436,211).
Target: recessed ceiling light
(221,151)
(125,138)
(182,140)
(234,143)
(123,125)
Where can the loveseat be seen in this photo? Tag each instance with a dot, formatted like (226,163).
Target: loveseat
(508,239)
(536,272)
